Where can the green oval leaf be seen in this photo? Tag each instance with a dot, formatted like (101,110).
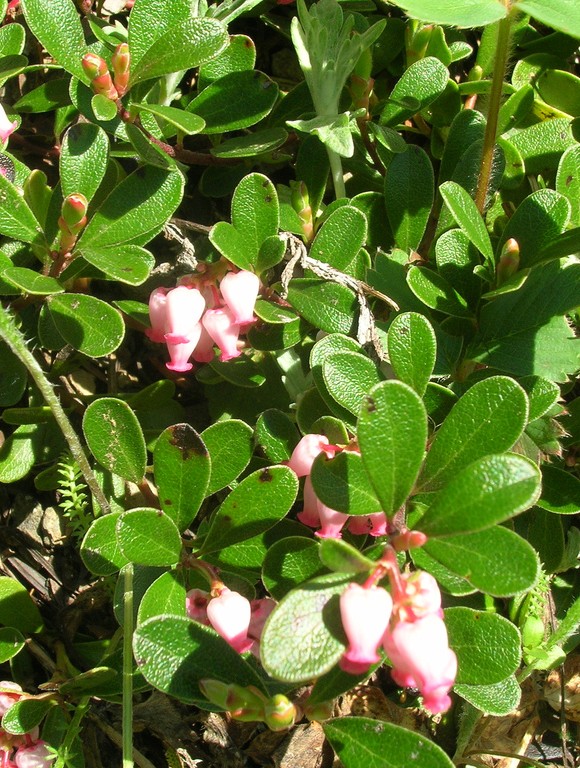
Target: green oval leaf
(84,155)
(17,609)
(182,470)
(100,550)
(256,504)
(392,434)
(88,324)
(16,218)
(129,264)
(342,484)
(412,350)
(349,377)
(340,556)
(328,306)
(489,418)
(435,292)
(182,121)
(230,447)
(11,643)
(25,715)
(560,491)
(467,216)
(419,85)
(31,282)
(290,562)
(165,595)
(497,699)
(115,438)
(362,742)
(340,238)
(488,491)
(148,537)
(409,195)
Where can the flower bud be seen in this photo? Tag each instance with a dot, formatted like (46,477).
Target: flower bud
(279,713)
(309,515)
(74,212)
(96,69)
(509,261)
(301,203)
(121,62)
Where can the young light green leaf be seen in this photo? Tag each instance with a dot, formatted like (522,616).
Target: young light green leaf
(409,195)
(477,558)
(165,595)
(182,469)
(392,434)
(363,742)
(88,324)
(489,418)
(115,438)
(418,87)
(342,484)
(84,155)
(148,537)
(309,614)
(100,551)
(488,491)
(412,349)
(256,504)
(465,213)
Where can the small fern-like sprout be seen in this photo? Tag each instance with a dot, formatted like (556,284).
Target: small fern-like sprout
(74,501)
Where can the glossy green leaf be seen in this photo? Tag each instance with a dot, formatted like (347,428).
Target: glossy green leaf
(409,195)
(412,349)
(562,15)
(230,448)
(392,435)
(486,644)
(328,345)
(136,209)
(328,306)
(363,742)
(289,563)
(488,491)
(512,338)
(340,556)
(419,85)
(17,608)
(340,238)
(86,323)
(187,43)
(253,144)
(84,155)
(31,282)
(182,470)
(539,219)
(20,452)
(11,643)
(149,152)
(568,181)
(57,25)
(174,653)
(435,292)
(542,395)
(100,551)
(183,121)
(165,595)
(25,715)
(467,128)
(349,377)
(129,264)
(489,418)
(480,558)
(542,144)
(309,614)
(240,54)
(560,491)
(46,97)
(235,101)
(276,435)
(13,377)
(16,219)
(148,537)
(342,484)
(103,108)
(497,699)
(115,438)
(464,211)
(12,38)
(256,504)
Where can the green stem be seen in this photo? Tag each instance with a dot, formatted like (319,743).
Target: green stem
(337,173)
(499,70)
(65,750)
(13,337)
(128,666)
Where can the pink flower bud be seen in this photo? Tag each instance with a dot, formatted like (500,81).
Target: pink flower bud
(306,451)
(180,353)
(38,755)
(365,615)
(10,693)
(331,521)
(230,614)
(422,659)
(74,212)
(196,601)
(96,69)
(121,62)
(6,127)
(309,515)
(240,291)
(222,328)
(157,314)
(183,311)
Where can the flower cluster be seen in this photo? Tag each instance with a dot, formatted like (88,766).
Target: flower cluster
(409,625)
(21,751)
(315,514)
(191,319)
(236,619)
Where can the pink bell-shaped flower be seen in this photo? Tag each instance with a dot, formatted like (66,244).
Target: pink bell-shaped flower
(6,127)
(365,615)
(306,451)
(203,353)
(230,615)
(422,596)
(180,352)
(331,522)
(261,610)
(196,601)
(309,515)
(374,525)
(184,308)
(240,291)
(157,314)
(422,659)
(222,328)
(37,755)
